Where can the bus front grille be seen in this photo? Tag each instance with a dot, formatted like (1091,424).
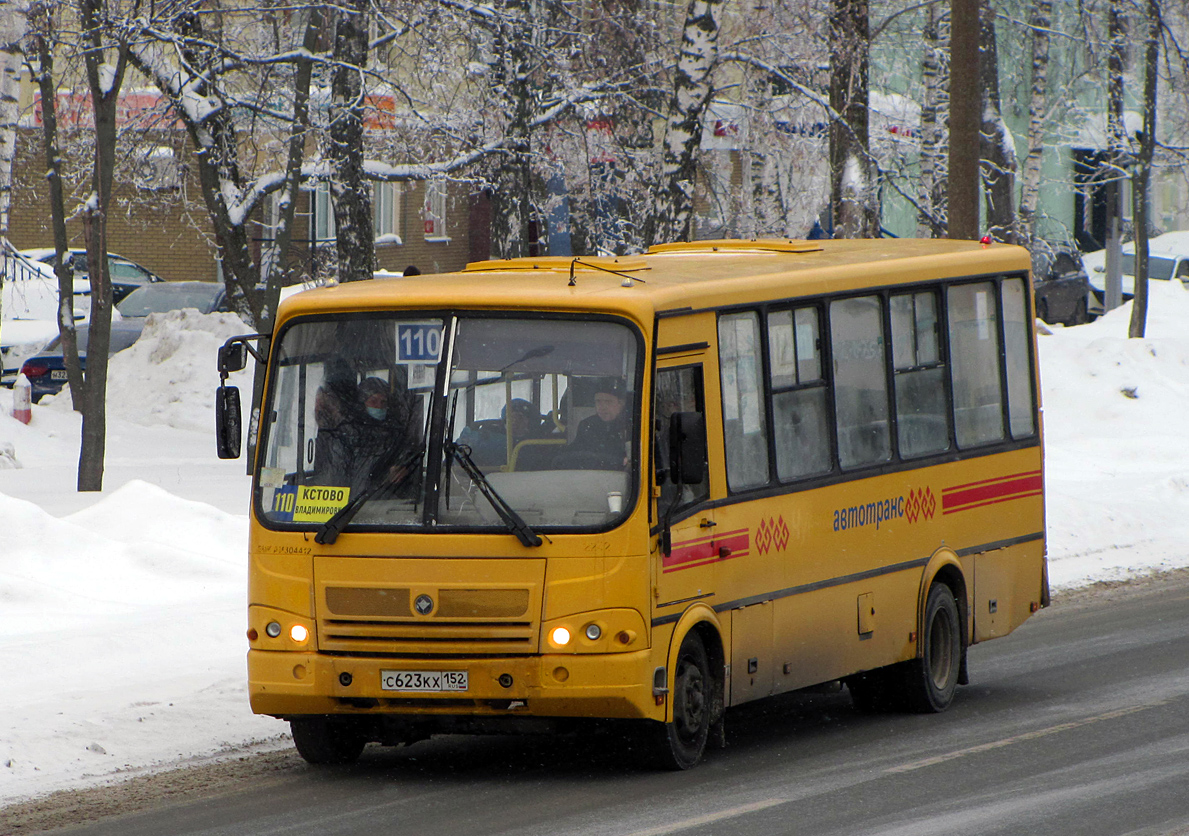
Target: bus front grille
(438,636)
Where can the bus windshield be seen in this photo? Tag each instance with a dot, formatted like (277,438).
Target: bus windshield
(432,421)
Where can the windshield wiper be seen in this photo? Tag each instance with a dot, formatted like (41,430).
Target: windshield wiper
(401,472)
(516,524)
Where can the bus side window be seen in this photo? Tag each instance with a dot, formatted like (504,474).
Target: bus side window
(745,422)
(922,413)
(800,415)
(860,381)
(677,390)
(974,351)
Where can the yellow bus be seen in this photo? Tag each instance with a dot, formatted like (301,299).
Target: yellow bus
(544,491)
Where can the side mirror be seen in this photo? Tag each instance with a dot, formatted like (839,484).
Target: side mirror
(687,447)
(227,420)
(233,357)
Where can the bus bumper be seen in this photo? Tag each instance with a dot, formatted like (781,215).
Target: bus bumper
(613,685)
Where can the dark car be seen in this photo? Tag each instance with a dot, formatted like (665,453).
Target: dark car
(126,275)
(47,370)
(206,297)
(1061,285)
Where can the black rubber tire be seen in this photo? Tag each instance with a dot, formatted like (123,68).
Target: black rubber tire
(680,744)
(931,679)
(324,742)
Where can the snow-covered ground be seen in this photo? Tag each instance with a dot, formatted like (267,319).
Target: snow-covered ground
(122,614)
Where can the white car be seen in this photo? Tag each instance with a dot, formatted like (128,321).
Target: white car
(1168,258)
(30,309)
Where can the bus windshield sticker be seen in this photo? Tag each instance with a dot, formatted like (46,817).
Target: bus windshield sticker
(272,477)
(418,342)
(308,503)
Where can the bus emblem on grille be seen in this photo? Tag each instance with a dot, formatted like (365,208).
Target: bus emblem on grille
(423,604)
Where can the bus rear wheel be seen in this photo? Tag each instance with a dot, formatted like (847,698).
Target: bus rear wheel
(322,741)
(931,679)
(680,744)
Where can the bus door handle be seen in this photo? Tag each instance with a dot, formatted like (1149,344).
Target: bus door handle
(707,524)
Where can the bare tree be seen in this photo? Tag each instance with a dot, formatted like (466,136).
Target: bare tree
(965,99)
(349,187)
(853,194)
(1039,21)
(998,154)
(673,200)
(1142,176)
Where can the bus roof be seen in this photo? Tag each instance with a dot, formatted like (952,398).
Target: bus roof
(697,275)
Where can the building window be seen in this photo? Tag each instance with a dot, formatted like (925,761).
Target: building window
(386,199)
(324,232)
(434,213)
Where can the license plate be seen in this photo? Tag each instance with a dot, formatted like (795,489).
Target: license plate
(423,680)
(57,374)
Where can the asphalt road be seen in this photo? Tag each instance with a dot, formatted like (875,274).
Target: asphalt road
(1076,724)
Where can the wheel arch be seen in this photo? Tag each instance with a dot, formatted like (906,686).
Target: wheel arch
(703,620)
(944,567)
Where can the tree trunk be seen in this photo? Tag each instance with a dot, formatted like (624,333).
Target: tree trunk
(1040,22)
(965,101)
(935,72)
(673,200)
(998,155)
(513,194)
(852,182)
(350,189)
(12,30)
(1143,170)
(42,18)
(1111,172)
(103,81)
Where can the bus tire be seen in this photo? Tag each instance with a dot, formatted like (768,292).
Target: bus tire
(323,742)
(680,744)
(931,679)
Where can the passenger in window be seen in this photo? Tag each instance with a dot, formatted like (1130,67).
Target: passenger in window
(336,415)
(384,434)
(602,440)
(488,441)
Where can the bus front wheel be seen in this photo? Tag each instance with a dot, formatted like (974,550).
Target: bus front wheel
(680,744)
(322,741)
(931,679)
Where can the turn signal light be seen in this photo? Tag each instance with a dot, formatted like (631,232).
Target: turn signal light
(560,636)
(299,633)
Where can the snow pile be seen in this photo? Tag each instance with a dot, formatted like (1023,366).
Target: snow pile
(168,376)
(122,615)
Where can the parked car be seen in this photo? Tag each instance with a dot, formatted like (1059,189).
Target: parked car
(126,275)
(206,297)
(30,308)
(1060,284)
(1168,259)
(47,369)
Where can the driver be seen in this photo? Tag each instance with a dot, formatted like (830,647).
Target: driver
(603,439)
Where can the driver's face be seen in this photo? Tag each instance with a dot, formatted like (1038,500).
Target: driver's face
(608,406)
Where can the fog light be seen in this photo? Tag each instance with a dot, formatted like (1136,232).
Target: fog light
(345,679)
(593,631)
(273,629)
(505,680)
(560,636)
(299,633)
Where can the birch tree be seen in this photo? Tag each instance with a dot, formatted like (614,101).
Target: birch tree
(1142,176)
(1039,22)
(673,200)
(852,182)
(998,166)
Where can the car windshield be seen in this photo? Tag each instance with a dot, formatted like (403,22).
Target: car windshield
(539,416)
(164,297)
(1158,267)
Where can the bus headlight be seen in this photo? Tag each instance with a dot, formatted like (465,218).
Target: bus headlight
(299,633)
(600,631)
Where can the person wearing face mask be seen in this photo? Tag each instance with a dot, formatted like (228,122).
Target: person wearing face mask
(385,432)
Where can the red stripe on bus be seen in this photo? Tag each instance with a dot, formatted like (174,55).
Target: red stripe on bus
(1017,487)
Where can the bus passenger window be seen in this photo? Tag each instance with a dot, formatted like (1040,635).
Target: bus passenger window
(745,424)
(860,381)
(922,416)
(974,353)
(800,416)
(1017,342)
